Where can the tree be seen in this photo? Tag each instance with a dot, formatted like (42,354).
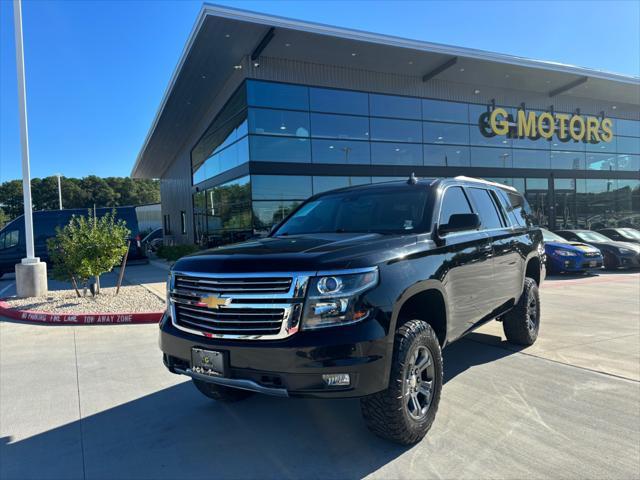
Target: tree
(87,247)
(79,193)
(11,198)
(3,218)
(101,193)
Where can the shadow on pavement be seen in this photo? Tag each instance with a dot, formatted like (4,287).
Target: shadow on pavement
(178,433)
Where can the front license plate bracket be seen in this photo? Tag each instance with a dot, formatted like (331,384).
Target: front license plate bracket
(208,362)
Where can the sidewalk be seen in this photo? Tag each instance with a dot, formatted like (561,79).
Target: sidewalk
(152,276)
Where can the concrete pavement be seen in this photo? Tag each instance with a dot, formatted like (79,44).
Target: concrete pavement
(95,402)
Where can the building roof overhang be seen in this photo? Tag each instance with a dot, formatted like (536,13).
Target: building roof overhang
(222,37)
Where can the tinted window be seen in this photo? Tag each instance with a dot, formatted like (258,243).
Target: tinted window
(229,206)
(477,138)
(280,187)
(392,106)
(567,160)
(491,157)
(396,130)
(339,126)
(628,163)
(444,111)
(324,184)
(626,127)
(445,133)
(396,154)
(602,146)
(628,145)
(274,149)
(516,209)
(454,202)
(486,208)
(340,151)
(267,214)
(531,159)
(263,94)
(446,155)
(601,161)
(10,239)
(278,122)
(338,101)
(230,157)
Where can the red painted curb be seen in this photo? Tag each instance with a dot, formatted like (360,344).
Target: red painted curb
(78,318)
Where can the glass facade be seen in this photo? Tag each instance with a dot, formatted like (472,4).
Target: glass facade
(569,184)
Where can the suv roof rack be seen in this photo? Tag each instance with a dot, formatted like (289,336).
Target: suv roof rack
(486,182)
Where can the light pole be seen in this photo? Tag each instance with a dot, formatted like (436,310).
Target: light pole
(59,190)
(31,273)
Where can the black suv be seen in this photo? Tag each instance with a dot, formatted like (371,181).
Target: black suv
(355,294)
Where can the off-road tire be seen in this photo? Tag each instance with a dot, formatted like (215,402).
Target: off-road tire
(386,413)
(221,393)
(522,324)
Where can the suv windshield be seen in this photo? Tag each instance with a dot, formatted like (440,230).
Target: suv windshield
(377,210)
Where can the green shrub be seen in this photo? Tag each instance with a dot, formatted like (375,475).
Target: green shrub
(171,253)
(87,247)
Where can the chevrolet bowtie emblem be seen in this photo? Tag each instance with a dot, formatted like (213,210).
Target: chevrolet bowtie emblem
(214,301)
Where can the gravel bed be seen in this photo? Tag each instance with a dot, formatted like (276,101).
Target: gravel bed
(131,299)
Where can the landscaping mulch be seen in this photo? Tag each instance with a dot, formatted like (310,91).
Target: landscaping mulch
(131,299)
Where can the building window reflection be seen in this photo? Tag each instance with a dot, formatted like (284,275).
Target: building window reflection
(296,124)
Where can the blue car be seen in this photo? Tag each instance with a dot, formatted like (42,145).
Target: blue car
(567,256)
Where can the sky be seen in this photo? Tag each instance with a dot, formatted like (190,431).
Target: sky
(97,70)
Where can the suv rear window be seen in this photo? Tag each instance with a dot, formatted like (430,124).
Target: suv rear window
(487,209)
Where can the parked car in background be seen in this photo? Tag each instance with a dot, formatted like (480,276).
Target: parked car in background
(153,240)
(616,254)
(621,234)
(45,222)
(567,256)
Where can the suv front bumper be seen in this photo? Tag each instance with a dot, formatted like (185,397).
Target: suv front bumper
(292,366)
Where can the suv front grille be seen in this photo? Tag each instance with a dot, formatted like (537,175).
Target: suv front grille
(233,285)
(231,320)
(240,307)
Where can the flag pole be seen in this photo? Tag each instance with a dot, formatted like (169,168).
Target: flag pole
(24,135)
(31,274)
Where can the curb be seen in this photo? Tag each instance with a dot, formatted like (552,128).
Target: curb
(79,318)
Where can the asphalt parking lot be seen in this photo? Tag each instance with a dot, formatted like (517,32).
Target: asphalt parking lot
(95,402)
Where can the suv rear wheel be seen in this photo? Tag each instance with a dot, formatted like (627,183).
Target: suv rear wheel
(220,392)
(522,323)
(405,411)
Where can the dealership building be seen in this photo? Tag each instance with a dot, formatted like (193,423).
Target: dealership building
(262,112)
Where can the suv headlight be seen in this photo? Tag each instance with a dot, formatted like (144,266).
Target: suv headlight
(565,253)
(331,300)
(625,251)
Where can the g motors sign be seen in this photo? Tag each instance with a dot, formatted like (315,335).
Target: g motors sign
(532,125)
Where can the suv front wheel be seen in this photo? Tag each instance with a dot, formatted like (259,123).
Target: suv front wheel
(405,411)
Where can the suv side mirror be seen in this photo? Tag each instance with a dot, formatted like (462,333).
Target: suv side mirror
(460,222)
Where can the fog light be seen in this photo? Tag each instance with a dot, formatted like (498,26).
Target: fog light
(337,379)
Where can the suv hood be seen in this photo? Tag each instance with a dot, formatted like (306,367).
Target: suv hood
(311,252)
